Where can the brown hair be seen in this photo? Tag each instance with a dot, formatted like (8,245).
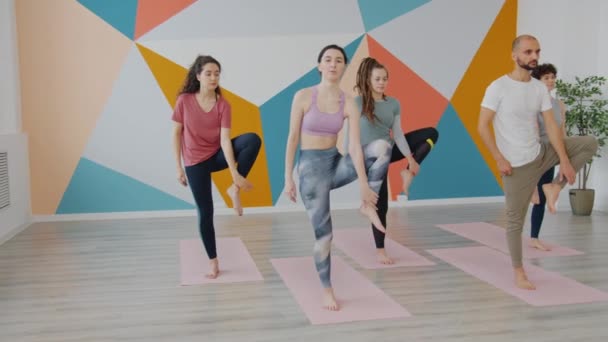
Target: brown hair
(364,86)
(191,83)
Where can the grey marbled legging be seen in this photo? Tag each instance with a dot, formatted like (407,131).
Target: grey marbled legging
(320,171)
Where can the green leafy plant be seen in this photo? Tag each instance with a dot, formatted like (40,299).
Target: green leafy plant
(587,113)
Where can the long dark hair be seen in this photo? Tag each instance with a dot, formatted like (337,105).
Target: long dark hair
(364,85)
(193,85)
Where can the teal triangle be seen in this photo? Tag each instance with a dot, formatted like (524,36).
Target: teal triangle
(352,47)
(376,13)
(121,14)
(97,189)
(454,168)
(275,123)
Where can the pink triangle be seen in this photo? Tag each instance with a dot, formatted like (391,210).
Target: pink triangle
(151,13)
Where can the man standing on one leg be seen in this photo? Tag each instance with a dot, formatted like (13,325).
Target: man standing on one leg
(512,103)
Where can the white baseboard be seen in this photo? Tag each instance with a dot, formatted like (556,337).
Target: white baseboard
(446,201)
(400,203)
(13,232)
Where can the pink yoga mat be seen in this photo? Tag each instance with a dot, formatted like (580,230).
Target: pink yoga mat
(494,268)
(359,299)
(495,237)
(359,245)
(236,265)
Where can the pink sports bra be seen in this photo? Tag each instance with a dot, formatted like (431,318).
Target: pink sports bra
(316,122)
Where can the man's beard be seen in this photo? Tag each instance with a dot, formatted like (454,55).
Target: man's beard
(527,66)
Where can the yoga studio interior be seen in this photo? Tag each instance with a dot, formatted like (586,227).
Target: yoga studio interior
(303,170)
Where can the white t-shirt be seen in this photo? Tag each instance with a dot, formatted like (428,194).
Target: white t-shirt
(517,105)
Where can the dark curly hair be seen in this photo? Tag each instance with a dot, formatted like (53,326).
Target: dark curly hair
(191,84)
(543,69)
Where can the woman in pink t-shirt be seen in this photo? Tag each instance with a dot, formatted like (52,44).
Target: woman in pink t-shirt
(201,138)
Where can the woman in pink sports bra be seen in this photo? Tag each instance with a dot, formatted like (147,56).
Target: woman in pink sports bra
(317,115)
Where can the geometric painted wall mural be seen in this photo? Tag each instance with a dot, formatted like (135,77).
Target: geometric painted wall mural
(98,89)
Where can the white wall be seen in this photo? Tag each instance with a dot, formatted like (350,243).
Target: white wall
(10,121)
(573,36)
(600,175)
(14,218)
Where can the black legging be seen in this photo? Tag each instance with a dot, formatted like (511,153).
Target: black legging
(246,148)
(420,147)
(538,210)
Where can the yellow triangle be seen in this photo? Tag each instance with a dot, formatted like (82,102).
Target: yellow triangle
(168,74)
(492,60)
(245,118)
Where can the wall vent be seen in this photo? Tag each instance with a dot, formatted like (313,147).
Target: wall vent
(5,196)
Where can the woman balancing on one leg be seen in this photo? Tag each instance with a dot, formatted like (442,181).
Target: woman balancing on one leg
(381,114)
(317,115)
(546,73)
(201,137)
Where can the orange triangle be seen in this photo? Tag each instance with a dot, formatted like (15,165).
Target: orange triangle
(168,74)
(151,13)
(421,105)
(492,60)
(245,118)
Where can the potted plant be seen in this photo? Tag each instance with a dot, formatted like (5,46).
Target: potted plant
(587,114)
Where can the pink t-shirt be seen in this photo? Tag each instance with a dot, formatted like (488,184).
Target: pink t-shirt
(201,134)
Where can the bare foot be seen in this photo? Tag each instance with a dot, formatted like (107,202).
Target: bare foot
(407,178)
(383,258)
(538,245)
(521,280)
(234,194)
(551,191)
(372,215)
(214,269)
(329,300)
(535,199)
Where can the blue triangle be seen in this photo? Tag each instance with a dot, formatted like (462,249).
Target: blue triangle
(275,115)
(97,189)
(121,14)
(352,47)
(275,123)
(376,13)
(454,168)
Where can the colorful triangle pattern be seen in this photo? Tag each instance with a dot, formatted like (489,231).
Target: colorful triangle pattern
(472,172)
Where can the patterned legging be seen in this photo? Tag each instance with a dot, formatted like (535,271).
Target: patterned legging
(321,171)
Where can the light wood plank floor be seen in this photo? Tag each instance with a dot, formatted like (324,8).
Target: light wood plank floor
(119,280)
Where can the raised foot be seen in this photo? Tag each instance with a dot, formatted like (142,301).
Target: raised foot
(235,195)
(535,199)
(551,191)
(372,215)
(407,177)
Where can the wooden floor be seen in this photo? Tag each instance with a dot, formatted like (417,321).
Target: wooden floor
(119,280)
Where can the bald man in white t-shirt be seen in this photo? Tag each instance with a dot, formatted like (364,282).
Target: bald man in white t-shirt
(512,103)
